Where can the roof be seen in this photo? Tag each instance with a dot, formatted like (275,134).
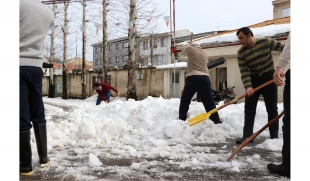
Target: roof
(279,1)
(78,61)
(275,28)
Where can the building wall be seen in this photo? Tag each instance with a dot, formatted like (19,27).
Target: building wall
(277,8)
(45,86)
(151,85)
(112,54)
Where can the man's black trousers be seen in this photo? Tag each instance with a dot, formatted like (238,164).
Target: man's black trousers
(30,97)
(286,153)
(270,94)
(202,85)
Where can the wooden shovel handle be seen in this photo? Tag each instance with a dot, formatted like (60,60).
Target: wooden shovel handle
(242,96)
(243,144)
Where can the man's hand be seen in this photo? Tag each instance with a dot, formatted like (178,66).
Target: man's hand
(118,94)
(56,66)
(250,91)
(277,76)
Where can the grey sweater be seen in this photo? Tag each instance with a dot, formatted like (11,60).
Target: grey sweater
(35,20)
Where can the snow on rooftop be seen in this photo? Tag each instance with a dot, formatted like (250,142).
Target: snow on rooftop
(259,32)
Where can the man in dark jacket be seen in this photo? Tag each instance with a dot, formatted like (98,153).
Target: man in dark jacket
(104,92)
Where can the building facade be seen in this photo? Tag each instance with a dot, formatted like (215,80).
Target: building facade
(281,8)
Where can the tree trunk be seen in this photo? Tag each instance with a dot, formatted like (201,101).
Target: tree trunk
(131,91)
(83,52)
(64,69)
(104,42)
(51,86)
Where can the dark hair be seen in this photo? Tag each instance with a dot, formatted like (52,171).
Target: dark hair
(96,84)
(246,31)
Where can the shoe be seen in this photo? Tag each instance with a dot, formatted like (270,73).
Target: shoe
(278,169)
(240,140)
(25,154)
(41,140)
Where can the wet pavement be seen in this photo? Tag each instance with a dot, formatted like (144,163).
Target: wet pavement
(161,169)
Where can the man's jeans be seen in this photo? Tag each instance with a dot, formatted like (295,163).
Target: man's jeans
(30,97)
(106,95)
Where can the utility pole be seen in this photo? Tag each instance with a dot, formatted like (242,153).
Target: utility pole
(75,44)
(104,41)
(151,44)
(51,70)
(64,70)
(84,51)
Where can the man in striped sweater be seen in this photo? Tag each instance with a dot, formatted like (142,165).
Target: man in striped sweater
(197,80)
(257,67)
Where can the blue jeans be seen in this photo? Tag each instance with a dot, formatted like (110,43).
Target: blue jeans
(30,97)
(106,95)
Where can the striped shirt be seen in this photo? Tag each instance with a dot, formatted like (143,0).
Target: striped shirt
(197,63)
(257,60)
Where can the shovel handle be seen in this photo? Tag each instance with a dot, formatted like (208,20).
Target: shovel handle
(242,96)
(243,144)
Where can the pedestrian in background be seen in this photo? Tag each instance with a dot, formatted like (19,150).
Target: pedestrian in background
(104,92)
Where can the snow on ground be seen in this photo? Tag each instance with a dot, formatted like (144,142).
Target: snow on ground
(149,128)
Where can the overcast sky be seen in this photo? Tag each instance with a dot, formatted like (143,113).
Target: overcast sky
(207,15)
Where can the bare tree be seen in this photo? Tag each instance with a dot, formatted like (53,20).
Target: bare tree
(104,41)
(51,70)
(143,17)
(84,52)
(64,69)
(131,88)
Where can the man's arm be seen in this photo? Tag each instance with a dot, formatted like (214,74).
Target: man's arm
(284,60)
(110,87)
(244,71)
(275,45)
(285,56)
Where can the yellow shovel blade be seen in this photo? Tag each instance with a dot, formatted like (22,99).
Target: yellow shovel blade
(201,117)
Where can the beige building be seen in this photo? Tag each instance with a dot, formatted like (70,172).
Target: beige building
(227,48)
(281,8)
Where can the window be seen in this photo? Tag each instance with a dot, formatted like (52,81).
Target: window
(286,12)
(110,59)
(145,60)
(125,44)
(97,62)
(163,42)
(158,60)
(145,45)
(155,43)
(164,60)
(96,50)
(177,80)
(101,49)
(117,46)
(125,58)
(110,47)
(117,59)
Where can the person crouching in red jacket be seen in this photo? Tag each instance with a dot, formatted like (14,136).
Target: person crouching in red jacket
(104,92)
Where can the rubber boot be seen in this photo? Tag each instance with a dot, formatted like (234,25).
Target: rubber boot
(41,139)
(25,154)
